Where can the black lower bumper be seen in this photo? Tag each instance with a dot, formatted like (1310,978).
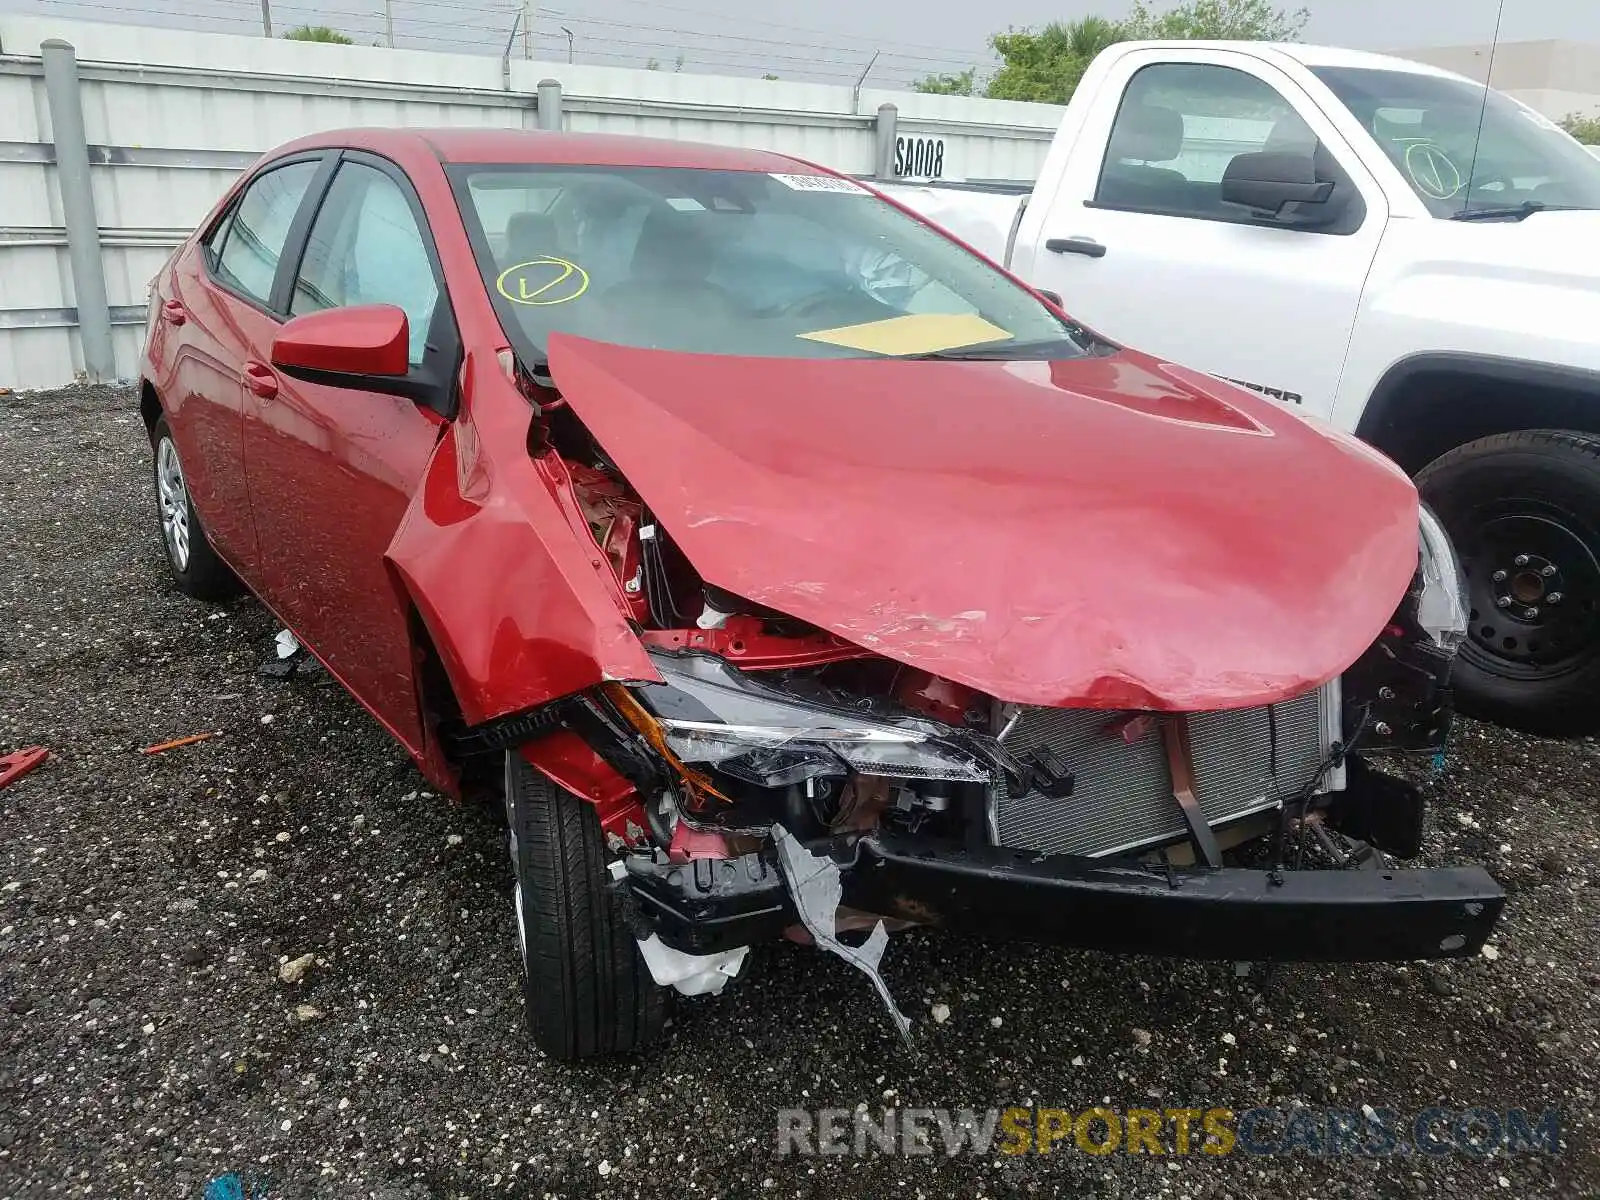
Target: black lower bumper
(1329,916)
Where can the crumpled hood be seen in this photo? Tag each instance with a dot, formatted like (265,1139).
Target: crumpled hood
(1107,532)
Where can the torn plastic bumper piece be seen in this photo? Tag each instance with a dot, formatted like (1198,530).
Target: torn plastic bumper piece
(710,905)
(816,886)
(1124,907)
(691,974)
(14,766)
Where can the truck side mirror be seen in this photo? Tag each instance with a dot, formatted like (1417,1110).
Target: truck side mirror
(1271,182)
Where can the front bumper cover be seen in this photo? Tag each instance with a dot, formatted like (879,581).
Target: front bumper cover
(1228,913)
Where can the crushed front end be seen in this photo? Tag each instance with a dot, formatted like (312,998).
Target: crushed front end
(833,755)
(781,782)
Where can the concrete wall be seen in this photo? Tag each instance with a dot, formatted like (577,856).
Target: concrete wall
(171,117)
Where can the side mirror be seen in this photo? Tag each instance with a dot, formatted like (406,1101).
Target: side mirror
(346,347)
(1269,183)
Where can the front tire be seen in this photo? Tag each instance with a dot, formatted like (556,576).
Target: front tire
(587,991)
(1523,510)
(196,569)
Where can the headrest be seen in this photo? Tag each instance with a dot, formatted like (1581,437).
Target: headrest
(1290,135)
(530,235)
(674,247)
(1147,133)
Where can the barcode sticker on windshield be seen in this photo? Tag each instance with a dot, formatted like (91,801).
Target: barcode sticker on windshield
(822,183)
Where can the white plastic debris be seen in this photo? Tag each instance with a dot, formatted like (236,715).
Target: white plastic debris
(288,645)
(691,974)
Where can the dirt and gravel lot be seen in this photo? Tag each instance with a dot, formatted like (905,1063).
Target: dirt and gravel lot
(149,1045)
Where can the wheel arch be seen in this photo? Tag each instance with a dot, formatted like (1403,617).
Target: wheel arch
(1428,404)
(150,408)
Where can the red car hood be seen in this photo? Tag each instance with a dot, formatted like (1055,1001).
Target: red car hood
(1106,532)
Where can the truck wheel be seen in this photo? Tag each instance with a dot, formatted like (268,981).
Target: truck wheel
(196,569)
(586,991)
(1524,512)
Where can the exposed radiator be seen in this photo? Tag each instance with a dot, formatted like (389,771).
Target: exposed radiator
(1245,760)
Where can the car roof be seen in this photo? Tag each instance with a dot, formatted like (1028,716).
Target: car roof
(543,146)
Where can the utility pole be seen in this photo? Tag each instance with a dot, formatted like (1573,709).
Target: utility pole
(266,18)
(388,23)
(568,32)
(527,28)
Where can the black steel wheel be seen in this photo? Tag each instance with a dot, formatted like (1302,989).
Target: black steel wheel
(1524,512)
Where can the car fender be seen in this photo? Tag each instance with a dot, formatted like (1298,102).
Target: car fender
(504,584)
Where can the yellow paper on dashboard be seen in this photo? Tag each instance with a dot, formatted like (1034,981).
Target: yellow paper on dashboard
(915,333)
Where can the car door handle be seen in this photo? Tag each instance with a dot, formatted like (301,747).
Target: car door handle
(172,313)
(1076,245)
(258,377)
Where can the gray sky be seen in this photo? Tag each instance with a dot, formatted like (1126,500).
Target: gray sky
(825,41)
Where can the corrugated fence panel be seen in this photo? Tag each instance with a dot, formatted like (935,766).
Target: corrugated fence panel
(172,117)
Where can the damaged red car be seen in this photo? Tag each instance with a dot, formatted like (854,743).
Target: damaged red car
(792,570)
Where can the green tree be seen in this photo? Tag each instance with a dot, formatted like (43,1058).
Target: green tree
(1217,21)
(1046,65)
(960,83)
(318,33)
(1585,129)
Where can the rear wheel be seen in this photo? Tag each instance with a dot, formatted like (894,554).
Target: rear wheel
(196,569)
(588,992)
(1524,512)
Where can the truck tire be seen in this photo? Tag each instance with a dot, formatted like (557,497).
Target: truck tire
(1523,510)
(587,992)
(195,567)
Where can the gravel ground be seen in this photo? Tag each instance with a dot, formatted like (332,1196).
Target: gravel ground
(149,1045)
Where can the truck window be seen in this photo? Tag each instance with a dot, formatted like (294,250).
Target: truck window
(1460,148)
(1179,126)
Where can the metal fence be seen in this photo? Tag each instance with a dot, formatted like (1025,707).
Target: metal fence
(115,141)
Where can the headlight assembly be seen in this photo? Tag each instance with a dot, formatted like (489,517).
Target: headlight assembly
(712,715)
(1442,606)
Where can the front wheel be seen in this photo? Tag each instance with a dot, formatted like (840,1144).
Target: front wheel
(588,992)
(1523,510)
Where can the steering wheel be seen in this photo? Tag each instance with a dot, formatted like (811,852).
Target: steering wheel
(809,304)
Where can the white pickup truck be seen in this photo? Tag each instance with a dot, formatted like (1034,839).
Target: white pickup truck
(1383,245)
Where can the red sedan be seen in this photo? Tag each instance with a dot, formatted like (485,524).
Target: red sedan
(792,570)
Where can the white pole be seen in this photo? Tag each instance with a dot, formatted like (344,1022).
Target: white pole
(388,23)
(266,18)
(527,28)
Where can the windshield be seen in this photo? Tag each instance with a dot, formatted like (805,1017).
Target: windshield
(1428,125)
(737,262)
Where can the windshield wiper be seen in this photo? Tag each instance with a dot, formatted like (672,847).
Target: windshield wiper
(1505,212)
(1001,351)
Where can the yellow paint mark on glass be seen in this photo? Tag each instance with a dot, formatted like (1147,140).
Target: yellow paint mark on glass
(542,281)
(915,333)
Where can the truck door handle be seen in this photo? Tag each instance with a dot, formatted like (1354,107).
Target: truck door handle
(172,313)
(1076,245)
(258,377)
